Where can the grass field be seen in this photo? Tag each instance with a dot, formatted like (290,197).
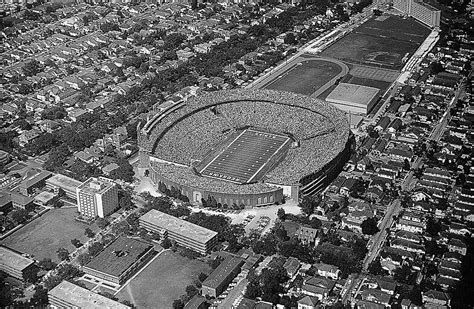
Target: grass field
(163,281)
(380,42)
(44,235)
(306,77)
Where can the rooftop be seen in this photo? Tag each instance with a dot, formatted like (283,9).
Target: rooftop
(83,298)
(96,185)
(65,182)
(352,94)
(178,226)
(117,257)
(222,271)
(13,260)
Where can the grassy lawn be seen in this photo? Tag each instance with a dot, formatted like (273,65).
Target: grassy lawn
(163,281)
(44,235)
(306,78)
(380,42)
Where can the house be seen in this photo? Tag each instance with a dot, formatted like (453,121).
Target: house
(456,245)
(433,297)
(365,304)
(292,265)
(382,124)
(326,270)
(27,137)
(348,186)
(308,302)
(307,235)
(318,287)
(407,304)
(84,157)
(110,168)
(376,296)
(387,285)
(395,125)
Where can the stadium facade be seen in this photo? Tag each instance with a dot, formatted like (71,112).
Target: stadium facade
(245,146)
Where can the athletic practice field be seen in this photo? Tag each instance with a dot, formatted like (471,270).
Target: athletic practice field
(307,76)
(44,235)
(385,41)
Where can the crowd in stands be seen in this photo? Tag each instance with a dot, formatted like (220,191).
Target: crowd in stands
(186,177)
(187,134)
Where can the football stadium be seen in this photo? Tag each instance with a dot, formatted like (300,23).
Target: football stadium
(245,147)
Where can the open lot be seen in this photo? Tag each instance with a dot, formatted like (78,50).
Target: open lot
(44,235)
(382,42)
(162,281)
(306,76)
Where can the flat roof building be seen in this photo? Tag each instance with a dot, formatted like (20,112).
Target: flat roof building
(120,260)
(97,197)
(185,233)
(68,184)
(69,295)
(33,179)
(354,99)
(217,281)
(15,264)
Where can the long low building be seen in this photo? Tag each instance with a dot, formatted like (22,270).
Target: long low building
(15,264)
(185,233)
(354,99)
(69,295)
(68,184)
(217,281)
(120,260)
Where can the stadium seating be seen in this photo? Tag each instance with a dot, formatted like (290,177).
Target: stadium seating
(187,134)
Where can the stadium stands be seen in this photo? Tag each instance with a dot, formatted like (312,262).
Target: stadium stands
(187,134)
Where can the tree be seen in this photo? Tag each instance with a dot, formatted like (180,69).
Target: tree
(31,68)
(191,290)
(47,264)
(63,254)
(19,216)
(215,262)
(89,233)
(166,243)
(281,214)
(375,268)
(202,277)
(178,304)
(83,259)
(308,204)
(124,172)
(290,38)
(369,226)
(102,223)
(76,243)
(433,227)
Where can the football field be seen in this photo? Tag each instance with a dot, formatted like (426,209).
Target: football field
(245,157)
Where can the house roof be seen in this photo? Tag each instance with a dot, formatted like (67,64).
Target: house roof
(308,301)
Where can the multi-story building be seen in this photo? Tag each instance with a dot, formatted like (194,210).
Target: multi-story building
(16,265)
(120,260)
(97,197)
(420,10)
(185,233)
(68,184)
(69,295)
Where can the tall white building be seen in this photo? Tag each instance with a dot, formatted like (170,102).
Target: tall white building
(420,10)
(97,197)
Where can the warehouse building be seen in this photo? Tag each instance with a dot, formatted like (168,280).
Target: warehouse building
(185,233)
(353,99)
(16,265)
(120,260)
(69,295)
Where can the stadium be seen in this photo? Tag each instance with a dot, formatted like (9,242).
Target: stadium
(245,147)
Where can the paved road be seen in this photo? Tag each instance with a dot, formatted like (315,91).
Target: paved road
(379,238)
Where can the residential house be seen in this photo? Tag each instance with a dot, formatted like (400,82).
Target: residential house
(318,287)
(456,245)
(308,302)
(327,270)
(433,297)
